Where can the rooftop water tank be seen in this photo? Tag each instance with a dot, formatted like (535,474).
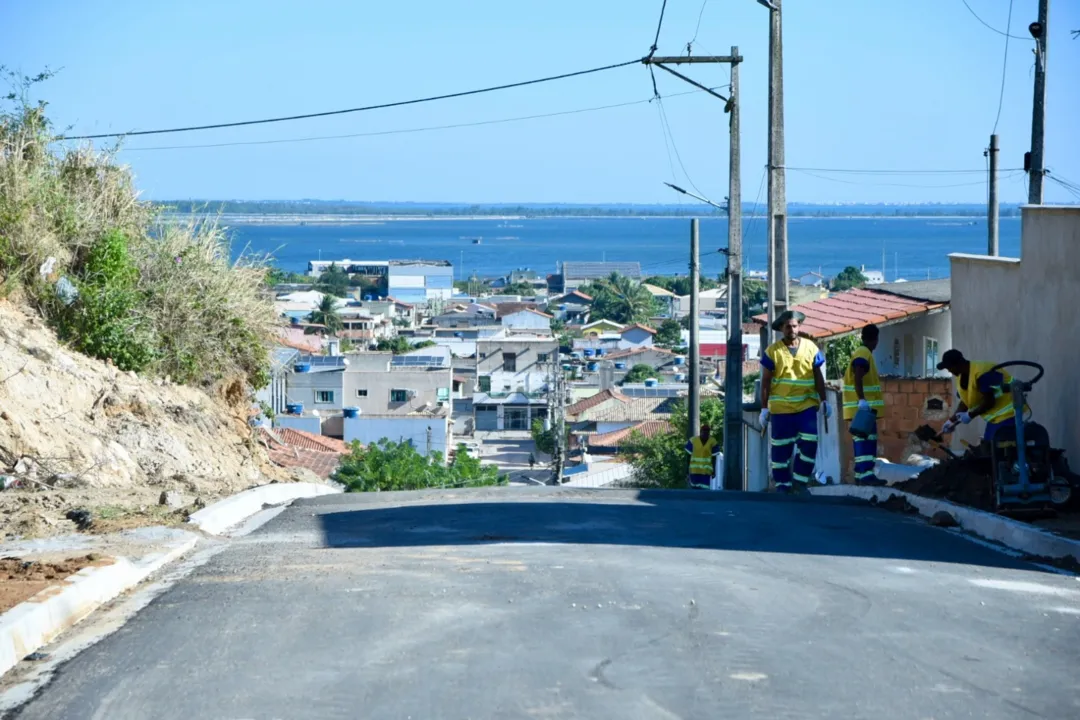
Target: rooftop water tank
(591,367)
(599,352)
(351,412)
(620,366)
(302,367)
(680,360)
(650,382)
(589,353)
(294,408)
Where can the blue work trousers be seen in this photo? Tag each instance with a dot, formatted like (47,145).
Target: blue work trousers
(793,433)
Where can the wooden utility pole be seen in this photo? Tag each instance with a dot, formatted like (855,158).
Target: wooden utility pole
(1037,169)
(777,189)
(992,199)
(692,426)
(733,422)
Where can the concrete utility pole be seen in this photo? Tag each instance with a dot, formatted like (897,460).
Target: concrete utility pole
(733,424)
(1037,170)
(992,200)
(777,189)
(695,340)
(729,104)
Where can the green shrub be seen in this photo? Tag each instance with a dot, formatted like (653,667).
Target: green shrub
(104,321)
(388,465)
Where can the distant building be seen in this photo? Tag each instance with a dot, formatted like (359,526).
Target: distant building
(409,281)
(576,274)
(512,372)
(527,319)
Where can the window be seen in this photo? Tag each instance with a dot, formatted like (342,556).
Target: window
(485,383)
(542,357)
(324,397)
(399,396)
(930,353)
(509,362)
(361,393)
(442,394)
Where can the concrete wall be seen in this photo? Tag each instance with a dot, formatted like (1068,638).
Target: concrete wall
(401,429)
(902,347)
(300,422)
(425,383)
(530,374)
(1028,309)
(526,320)
(301,388)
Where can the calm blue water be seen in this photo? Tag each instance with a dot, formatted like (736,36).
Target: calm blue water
(914,248)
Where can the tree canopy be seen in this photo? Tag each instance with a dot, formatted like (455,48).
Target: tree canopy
(850,277)
(661,461)
(388,465)
(669,334)
(333,281)
(326,314)
(639,373)
(620,299)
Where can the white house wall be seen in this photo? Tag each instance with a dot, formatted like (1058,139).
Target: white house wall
(902,347)
(412,429)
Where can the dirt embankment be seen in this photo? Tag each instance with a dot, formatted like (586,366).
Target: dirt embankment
(77,434)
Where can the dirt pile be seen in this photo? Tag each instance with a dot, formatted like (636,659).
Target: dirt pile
(965,481)
(78,434)
(22,579)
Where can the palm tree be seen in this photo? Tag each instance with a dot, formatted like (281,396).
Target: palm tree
(632,302)
(327,314)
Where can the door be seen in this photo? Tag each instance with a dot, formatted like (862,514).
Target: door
(516,419)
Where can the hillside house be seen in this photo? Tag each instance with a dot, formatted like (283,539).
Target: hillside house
(527,319)
(512,375)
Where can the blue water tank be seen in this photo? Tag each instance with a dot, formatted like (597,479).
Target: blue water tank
(351,412)
(589,353)
(591,367)
(650,382)
(294,320)
(680,377)
(294,408)
(599,352)
(303,367)
(680,360)
(620,366)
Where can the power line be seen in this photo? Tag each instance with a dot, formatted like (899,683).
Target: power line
(991,27)
(667,123)
(659,25)
(365,108)
(859,171)
(406,130)
(910,185)
(1004,67)
(697,28)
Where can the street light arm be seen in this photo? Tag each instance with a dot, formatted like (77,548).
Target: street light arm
(678,189)
(768,4)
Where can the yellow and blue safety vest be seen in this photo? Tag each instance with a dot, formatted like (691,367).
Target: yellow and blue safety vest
(701,455)
(871,385)
(972,394)
(792,388)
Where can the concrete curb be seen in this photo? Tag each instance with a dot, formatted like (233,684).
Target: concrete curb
(232,511)
(1005,531)
(37,621)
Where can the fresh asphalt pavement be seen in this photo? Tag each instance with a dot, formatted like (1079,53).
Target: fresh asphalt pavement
(559,603)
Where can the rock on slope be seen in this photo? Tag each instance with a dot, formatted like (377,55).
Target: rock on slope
(78,433)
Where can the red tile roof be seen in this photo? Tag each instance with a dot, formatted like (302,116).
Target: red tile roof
(649,428)
(619,354)
(592,401)
(639,326)
(852,310)
(295,448)
(311,441)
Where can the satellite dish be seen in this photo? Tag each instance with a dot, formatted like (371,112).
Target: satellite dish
(314,413)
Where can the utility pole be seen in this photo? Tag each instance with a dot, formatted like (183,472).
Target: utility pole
(733,424)
(734,230)
(1037,169)
(695,347)
(560,428)
(777,189)
(992,199)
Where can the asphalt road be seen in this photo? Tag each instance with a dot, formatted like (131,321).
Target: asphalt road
(549,603)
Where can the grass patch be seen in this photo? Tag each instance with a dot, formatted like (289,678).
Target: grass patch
(110,275)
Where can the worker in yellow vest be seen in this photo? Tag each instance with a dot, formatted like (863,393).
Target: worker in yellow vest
(982,393)
(862,391)
(793,392)
(703,451)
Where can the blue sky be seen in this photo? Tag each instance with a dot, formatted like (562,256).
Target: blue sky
(870,85)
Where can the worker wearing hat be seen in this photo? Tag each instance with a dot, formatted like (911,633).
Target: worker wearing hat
(793,393)
(703,451)
(982,392)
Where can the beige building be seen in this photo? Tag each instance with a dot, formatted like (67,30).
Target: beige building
(1028,308)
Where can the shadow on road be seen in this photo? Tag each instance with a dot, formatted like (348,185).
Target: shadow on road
(758,524)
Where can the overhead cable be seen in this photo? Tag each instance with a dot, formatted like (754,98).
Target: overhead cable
(381,106)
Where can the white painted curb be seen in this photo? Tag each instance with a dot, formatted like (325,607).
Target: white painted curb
(33,623)
(1006,531)
(232,511)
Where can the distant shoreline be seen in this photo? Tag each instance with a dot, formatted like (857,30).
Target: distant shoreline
(339,220)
